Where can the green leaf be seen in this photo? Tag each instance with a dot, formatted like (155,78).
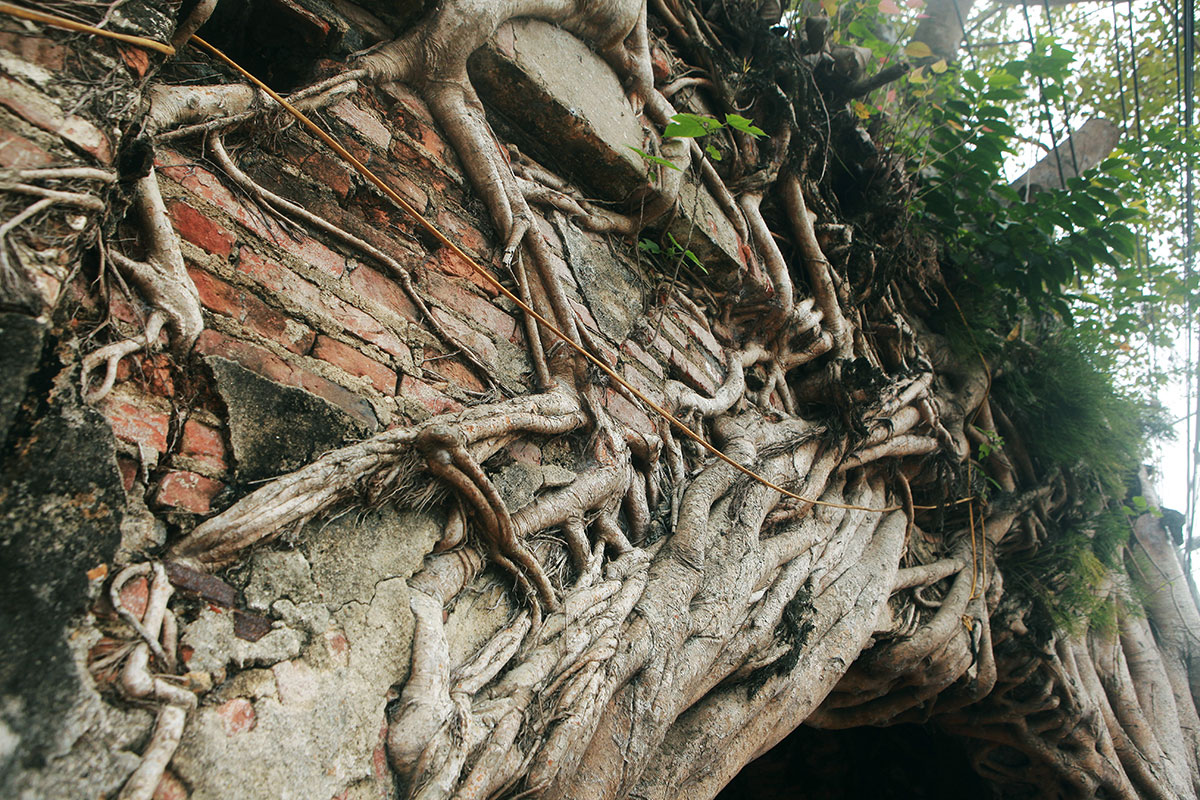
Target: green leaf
(917,50)
(691,126)
(654,159)
(744,125)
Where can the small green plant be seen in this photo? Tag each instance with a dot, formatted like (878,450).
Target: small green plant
(991,443)
(674,253)
(695,126)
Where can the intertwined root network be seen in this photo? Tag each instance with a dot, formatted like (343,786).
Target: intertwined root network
(685,615)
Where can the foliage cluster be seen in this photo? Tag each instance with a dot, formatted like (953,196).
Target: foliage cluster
(1059,282)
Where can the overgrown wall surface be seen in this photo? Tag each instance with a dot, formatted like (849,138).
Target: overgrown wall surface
(330,633)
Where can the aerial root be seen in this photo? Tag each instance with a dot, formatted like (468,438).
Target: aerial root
(164,283)
(447,457)
(284,206)
(445,719)
(139,683)
(339,474)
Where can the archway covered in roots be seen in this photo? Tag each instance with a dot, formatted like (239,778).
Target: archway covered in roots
(508,441)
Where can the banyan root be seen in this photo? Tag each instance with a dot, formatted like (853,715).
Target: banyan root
(139,683)
(446,455)
(375,467)
(163,282)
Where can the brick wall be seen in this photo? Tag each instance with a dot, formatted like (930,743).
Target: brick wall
(300,310)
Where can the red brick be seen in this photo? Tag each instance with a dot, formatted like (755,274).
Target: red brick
(364,122)
(135,596)
(35,49)
(252,357)
(196,180)
(463,234)
(259,360)
(237,715)
(281,281)
(326,171)
(635,378)
(120,308)
(632,350)
(451,263)
(627,412)
(673,332)
(204,445)
(584,314)
(352,361)
(250,311)
(38,109)
(129,471)
(408,102)
(379,756)
(208,187)
(484,348)
(366,327)
(136,424)
(698,332)
(200,230)
(426,395)
(454,370)
(415,195)
(278,279)
(153,372)
(315,254)
(18,152)
(692,373)
(460,298)
(379,288)
(187,490)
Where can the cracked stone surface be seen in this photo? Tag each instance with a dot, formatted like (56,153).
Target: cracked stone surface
(310,724)
(275,428)
(565,94)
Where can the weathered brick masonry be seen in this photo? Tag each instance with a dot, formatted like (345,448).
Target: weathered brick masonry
(302,311)
(307,345)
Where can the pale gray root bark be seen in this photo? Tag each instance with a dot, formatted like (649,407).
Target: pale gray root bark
(1080,151)
(164,284)
(659,669)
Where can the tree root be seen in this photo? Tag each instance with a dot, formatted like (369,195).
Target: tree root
(376,467)
(138,683)
(393,266)
(163,282)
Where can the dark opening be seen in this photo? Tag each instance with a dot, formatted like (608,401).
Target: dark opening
(280,41)
(904,762)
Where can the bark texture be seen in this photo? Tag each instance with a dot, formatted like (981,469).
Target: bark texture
(525,511)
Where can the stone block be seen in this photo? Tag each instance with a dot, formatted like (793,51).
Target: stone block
(557,91)
(568,98)
(265,363)
(275,429)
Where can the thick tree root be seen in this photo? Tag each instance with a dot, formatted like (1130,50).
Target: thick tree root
(163,282)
